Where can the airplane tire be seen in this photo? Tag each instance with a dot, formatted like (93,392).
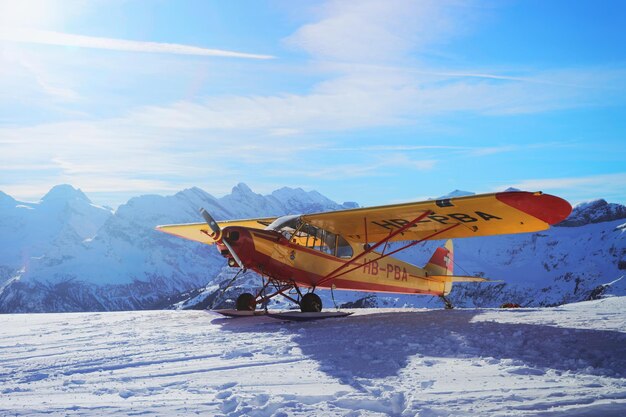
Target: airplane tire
(311,303)
(246,302)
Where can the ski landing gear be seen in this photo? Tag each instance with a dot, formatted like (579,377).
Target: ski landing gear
(310,304)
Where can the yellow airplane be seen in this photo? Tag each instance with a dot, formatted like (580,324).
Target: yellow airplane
(349,249)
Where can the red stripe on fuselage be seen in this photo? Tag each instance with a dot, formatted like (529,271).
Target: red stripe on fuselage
(344,284)
(268,266)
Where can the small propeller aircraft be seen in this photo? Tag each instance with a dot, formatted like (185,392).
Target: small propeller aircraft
(349,249)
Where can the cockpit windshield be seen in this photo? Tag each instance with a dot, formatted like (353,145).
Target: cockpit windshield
(313,237)
(286,225)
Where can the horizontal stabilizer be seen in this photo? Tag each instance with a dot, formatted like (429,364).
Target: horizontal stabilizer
(458,278)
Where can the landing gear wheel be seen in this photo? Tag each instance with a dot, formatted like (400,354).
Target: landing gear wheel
(246,302)
(311,303)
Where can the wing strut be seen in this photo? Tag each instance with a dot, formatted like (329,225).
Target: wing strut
(371,248)
(225,288)
(415,242)
(279,290)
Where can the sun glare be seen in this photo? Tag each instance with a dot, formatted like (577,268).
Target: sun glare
(37,14)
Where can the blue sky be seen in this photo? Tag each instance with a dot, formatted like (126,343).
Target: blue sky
(370,101)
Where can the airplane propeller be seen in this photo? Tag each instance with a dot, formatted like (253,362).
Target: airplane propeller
(217,235)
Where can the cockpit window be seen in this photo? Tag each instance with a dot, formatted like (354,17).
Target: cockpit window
(328,242)
(311,236)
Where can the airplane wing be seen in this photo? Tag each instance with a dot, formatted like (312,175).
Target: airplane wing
(477,215)
(199,231)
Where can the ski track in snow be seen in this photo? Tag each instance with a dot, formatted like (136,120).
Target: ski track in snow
(549,362)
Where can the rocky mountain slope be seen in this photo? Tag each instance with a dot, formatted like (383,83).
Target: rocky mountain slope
(65,254)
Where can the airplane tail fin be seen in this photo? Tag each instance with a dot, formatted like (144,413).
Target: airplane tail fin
(442,261)
(440,268)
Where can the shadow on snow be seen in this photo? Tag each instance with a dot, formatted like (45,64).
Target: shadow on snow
(380,345)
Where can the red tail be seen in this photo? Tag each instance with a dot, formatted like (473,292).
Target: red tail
(442,261)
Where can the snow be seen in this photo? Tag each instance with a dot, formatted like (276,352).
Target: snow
(456,193)
(552,362)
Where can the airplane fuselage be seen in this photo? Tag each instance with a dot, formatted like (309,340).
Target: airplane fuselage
(271,254)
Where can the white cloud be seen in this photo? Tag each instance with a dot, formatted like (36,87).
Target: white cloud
(576,189)
(611,181)
(125,187)
(42,78)
(111,155)
(397,148)
(379,168)
(35,13)
(44,37)
(365,97)
(374,31)
(363,55)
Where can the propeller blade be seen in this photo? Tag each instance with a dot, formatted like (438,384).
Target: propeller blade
(210,221)
(233,253)
(217,235)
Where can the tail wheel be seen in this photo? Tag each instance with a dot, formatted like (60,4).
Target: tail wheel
(246,302)
(311,303)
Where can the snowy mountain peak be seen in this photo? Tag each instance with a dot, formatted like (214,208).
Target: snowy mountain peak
(457,193)
(595,211)
(286,193)
(288,190)
(194,193)
(592,204)
(296,201)
(242,188)
(512,189)
(64,193)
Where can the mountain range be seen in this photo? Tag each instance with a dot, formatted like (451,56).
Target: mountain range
(65,253)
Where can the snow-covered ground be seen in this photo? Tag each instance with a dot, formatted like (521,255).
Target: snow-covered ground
(564,361)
